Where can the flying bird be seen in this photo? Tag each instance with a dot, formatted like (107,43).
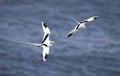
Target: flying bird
(45,43)
(81,25)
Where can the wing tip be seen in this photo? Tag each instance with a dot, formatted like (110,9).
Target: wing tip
(69,35)
(43,23)
(95,17)
(45,58)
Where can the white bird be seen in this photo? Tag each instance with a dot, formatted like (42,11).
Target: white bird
(45,42)
(81,25)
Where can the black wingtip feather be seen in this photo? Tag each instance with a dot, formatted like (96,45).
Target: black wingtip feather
(44,24)
(95,17)
(69,35)
(46,56)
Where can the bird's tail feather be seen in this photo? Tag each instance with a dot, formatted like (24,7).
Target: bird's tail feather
(30,43)
(75,20)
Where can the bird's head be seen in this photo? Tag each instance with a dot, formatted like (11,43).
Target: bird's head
(52,43)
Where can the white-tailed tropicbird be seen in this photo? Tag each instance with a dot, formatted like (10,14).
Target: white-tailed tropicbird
(81,25)
(45,42)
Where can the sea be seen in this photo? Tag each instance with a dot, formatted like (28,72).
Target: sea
(92,51)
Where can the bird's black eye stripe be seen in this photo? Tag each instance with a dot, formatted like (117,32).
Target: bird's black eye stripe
(45,45)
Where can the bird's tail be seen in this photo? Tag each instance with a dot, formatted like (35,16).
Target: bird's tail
(28,43)
(75,20)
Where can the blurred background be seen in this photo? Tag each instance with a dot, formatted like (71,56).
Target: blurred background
(94,51)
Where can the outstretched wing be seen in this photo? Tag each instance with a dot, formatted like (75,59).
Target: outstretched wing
(73,31)
(46,32)
(45,52)
(89,19)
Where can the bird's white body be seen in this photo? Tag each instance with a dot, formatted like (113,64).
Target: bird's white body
(46,41)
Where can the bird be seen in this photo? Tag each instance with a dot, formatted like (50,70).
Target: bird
(81,25)
(45,43)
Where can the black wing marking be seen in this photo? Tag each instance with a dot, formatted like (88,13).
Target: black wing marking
(44,25)
(77,26)
(84,21)
(69,34)
(45,45)
(45,38)
(95,17)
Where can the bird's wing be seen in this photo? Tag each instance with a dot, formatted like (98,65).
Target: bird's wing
(89,19)
(46,32)
(28,43)
(45,52)
(81,25)
(73,31)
